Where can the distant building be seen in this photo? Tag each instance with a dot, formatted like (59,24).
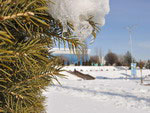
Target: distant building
(70,55)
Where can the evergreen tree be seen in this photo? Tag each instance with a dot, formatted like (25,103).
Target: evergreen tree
(27,32)
(128,58)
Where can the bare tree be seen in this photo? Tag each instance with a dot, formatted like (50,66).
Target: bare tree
(120,60)
(111,58)
(83,54)
(141,65)
(62,59)
(148,64)
(94,59)
(98,53)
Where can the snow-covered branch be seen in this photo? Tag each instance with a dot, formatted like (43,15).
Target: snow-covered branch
(78,12)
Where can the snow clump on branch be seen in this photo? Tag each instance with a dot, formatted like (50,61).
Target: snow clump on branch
(78,12)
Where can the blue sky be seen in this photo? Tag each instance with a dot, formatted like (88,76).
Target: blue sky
(113,34)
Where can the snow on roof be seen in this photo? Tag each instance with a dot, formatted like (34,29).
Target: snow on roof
(65,51)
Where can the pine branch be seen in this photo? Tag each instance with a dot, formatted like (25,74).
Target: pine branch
(16,16)
(1,110)
(26,66)
(35,77)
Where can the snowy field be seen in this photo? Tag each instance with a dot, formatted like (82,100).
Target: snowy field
(113,91)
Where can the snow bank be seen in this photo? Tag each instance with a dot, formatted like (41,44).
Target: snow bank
(110,92)
(77,12)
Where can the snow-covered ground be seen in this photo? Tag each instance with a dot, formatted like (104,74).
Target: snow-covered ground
(113,91)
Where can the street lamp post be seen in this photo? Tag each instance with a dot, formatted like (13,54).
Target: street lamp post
(131,45)
(133,65)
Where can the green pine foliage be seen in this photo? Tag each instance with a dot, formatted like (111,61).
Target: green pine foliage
(27,67)
(27,33)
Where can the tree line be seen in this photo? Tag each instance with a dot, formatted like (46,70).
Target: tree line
(110,59)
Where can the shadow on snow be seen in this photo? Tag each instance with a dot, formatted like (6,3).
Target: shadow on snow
(125,95)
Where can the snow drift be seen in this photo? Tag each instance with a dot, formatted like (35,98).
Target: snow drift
(77,12)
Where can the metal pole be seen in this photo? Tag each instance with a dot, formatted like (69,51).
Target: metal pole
(130,30)
(131,47)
